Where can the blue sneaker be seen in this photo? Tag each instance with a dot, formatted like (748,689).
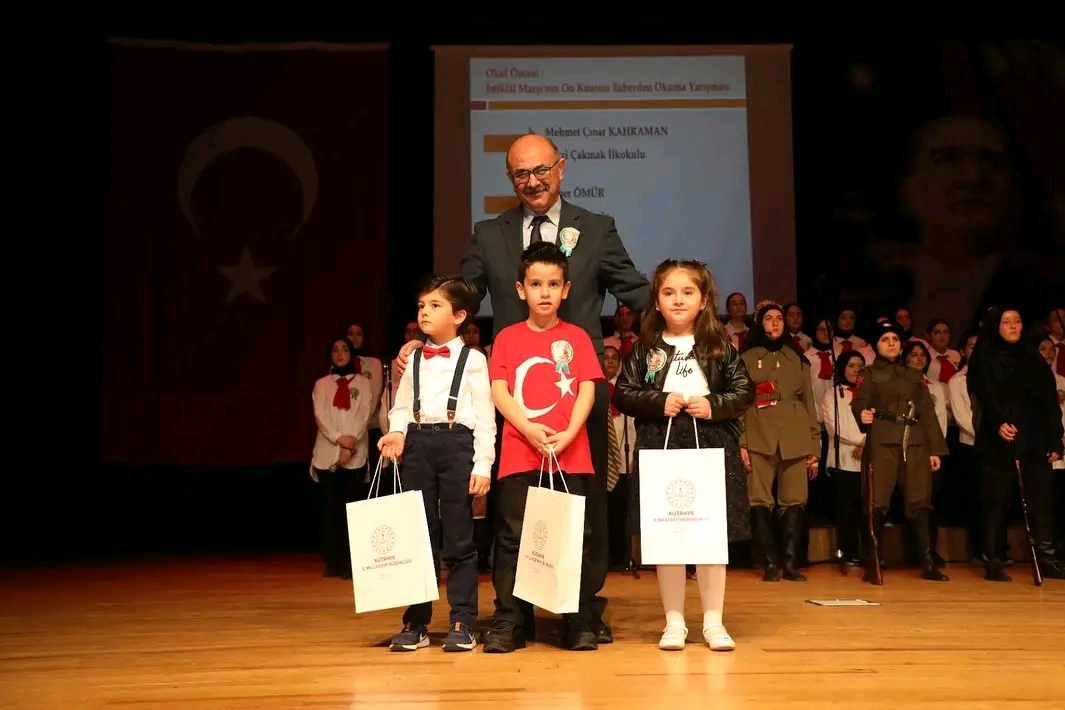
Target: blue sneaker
(411,638)
(460,638)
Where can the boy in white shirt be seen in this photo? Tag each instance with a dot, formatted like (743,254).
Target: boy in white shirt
(443,425)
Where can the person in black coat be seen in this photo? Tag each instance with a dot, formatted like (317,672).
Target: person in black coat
(1017,420)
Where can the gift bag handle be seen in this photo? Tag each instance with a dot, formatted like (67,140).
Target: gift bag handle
(695,427)
(550,473)
(396,482)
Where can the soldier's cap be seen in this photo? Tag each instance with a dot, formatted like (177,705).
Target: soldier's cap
(884,327)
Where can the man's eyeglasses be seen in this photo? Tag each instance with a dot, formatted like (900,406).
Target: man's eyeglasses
(540,172)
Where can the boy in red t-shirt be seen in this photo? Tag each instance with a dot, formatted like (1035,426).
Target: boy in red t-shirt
(543,374)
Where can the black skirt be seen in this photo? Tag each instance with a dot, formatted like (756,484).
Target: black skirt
(712,435)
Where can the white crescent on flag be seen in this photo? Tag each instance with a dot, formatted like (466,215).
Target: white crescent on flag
(519,385)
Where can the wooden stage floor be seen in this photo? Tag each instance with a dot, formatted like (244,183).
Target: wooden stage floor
(269,632)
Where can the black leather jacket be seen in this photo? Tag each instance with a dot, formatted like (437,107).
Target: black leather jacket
(731,391)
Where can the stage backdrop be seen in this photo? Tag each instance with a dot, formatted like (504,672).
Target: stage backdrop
(246,226)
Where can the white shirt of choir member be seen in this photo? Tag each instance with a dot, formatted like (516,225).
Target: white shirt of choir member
(474,409)
(856,342)
(934,366)
(850,436)
(961,406)
(804,340)
(548,230)
(334,423)
(818,386)
(622,423)
(939,398)
(685,377)
(734,334)
(372,366)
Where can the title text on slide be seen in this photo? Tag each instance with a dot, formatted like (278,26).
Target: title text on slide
(614,87)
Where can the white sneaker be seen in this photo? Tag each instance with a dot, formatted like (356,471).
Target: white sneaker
(718,639)
(673,638)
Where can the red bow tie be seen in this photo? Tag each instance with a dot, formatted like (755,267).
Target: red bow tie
(430,352)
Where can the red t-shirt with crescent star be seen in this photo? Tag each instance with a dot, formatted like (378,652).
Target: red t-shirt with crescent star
(543,371)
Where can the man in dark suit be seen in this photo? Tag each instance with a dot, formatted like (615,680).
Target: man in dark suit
(598,263)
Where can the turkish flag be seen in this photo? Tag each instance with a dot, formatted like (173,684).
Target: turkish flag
(246,227)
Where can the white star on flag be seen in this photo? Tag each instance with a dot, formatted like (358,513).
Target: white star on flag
(246,277)
(565,385)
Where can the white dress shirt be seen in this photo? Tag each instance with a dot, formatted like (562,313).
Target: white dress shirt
(625,426)
(850,436)
(938,391)
(961,406)
(548,230)
(334,423)
(473,410)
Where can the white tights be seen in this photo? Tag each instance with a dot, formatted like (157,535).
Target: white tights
(671,582)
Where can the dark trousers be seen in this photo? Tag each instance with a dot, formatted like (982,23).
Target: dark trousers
(848,512)
(999,478)
(617,512)
(437,461)
(596,515)
(514,489)
(340,487)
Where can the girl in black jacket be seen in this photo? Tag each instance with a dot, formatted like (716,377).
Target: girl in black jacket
(685,365)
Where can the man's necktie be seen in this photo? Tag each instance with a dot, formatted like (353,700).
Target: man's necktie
(614,462)
(430,352)
(536,222)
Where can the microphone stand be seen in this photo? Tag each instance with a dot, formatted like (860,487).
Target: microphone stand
(837,388)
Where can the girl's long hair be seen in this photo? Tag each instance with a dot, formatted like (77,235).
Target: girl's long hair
(710,338)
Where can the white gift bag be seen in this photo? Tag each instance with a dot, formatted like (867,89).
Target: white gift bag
(392,561)
(552,546)
(683,515)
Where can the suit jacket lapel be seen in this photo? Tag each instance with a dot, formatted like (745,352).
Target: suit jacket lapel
(569,217)
(514,237)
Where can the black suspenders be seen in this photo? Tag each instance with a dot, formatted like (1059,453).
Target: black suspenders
(456,381)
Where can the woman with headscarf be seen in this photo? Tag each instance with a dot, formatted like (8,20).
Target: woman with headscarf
(1017,420)
(343,403)
(904,444)
(781,439)
(836,410)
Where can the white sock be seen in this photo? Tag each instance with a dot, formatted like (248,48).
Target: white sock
(671,581)
(712,592)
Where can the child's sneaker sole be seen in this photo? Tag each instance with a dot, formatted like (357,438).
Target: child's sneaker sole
(401,648)
(456,647)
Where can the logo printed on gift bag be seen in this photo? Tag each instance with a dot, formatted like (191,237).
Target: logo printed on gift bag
(681,493)
(540,535)
(383,539)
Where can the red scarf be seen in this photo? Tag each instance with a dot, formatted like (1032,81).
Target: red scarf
(626,345)
(342,398)
(1059,361)
(825,373)
(946,368)
(851,388)
(846,345)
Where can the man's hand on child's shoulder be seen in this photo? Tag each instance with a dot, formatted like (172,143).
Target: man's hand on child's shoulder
(391,445)
(404,355)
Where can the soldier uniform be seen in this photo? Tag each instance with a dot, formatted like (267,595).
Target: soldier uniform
(899,443)
(781,433)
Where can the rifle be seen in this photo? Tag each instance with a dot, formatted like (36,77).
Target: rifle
(874,573)
(1037,574)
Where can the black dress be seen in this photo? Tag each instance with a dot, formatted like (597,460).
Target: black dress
(731,393)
